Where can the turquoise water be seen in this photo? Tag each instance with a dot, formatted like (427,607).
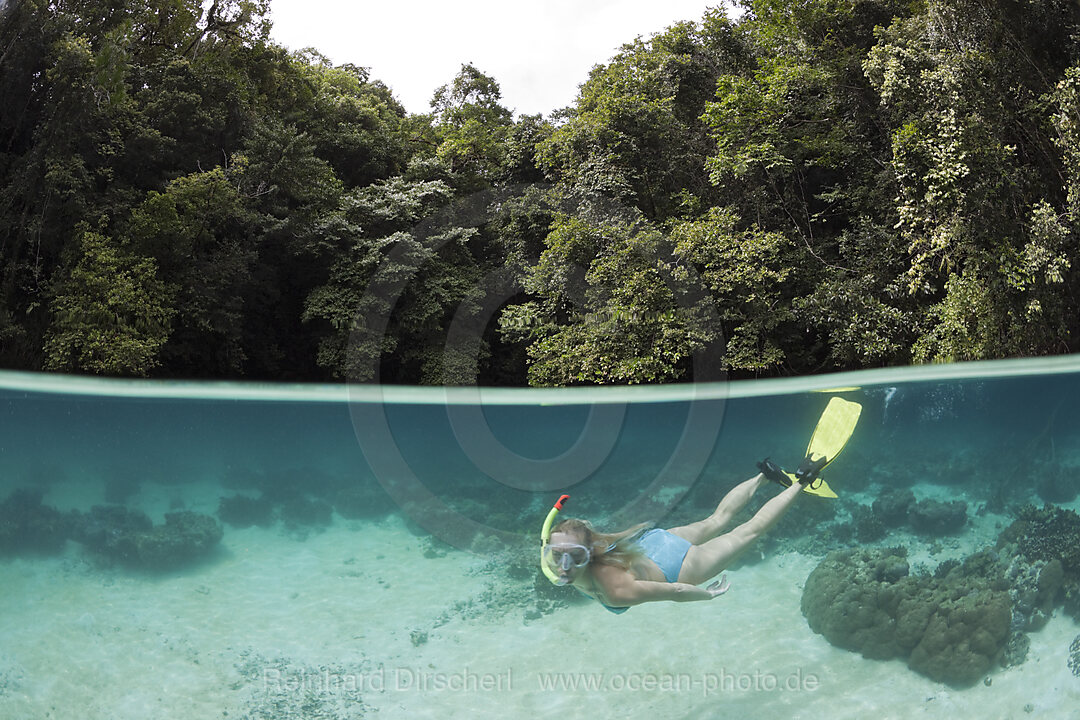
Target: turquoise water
(338,552)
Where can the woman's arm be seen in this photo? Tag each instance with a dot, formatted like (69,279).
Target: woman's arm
(621,589)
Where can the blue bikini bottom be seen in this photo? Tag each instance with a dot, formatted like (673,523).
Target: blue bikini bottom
(666,550)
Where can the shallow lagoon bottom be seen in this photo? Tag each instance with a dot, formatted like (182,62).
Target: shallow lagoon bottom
(371,619)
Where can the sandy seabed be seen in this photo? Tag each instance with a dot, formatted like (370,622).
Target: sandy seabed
(363,620)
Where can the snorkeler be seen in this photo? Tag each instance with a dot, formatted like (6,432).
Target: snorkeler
(643,564)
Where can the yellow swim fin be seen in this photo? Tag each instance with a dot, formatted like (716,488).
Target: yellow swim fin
(833,429)
(820,487)
(830,436)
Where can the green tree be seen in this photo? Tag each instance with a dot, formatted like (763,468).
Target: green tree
(801,150)
(965,85)
(385,307)
(749,274)
(633,135)
(820,184)
(88,132)
(111,313)
(611,306)
(203,238)
(473,126)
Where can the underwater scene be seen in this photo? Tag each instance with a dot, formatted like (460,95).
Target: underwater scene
(256,552)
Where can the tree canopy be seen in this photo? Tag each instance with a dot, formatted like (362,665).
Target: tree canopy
(817,185)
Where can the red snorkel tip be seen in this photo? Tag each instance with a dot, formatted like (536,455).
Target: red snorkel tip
(560,501)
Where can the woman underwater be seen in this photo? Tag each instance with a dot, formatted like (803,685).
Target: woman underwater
(642,565)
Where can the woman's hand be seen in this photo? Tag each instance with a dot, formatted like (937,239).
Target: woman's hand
(719,587)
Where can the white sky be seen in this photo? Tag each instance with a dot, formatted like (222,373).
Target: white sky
(539,52)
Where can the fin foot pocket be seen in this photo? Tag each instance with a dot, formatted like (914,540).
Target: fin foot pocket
(774,472)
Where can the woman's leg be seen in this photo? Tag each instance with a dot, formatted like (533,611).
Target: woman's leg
(733,502)
(707,560)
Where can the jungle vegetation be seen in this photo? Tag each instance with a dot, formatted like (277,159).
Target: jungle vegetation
(817,185)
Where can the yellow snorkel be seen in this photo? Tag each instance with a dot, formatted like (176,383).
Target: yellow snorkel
(545,537)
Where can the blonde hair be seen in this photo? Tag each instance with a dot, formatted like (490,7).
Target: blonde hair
(619,549)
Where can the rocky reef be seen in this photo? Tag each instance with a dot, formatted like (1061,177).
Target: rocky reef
(892,506)
(1044,536)
(185,537)
(952,629)
(896,508)
(301,498)
(131,538)
(112,531)
(1058,483)
(360,501)
(968,617)
(933,518)
(26,525)
(867,525)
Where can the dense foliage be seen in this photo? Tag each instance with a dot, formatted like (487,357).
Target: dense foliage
(818,185)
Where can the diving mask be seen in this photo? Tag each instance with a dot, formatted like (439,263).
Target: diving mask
(565,557)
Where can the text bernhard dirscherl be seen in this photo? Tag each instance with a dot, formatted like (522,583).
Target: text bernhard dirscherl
(399,679)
